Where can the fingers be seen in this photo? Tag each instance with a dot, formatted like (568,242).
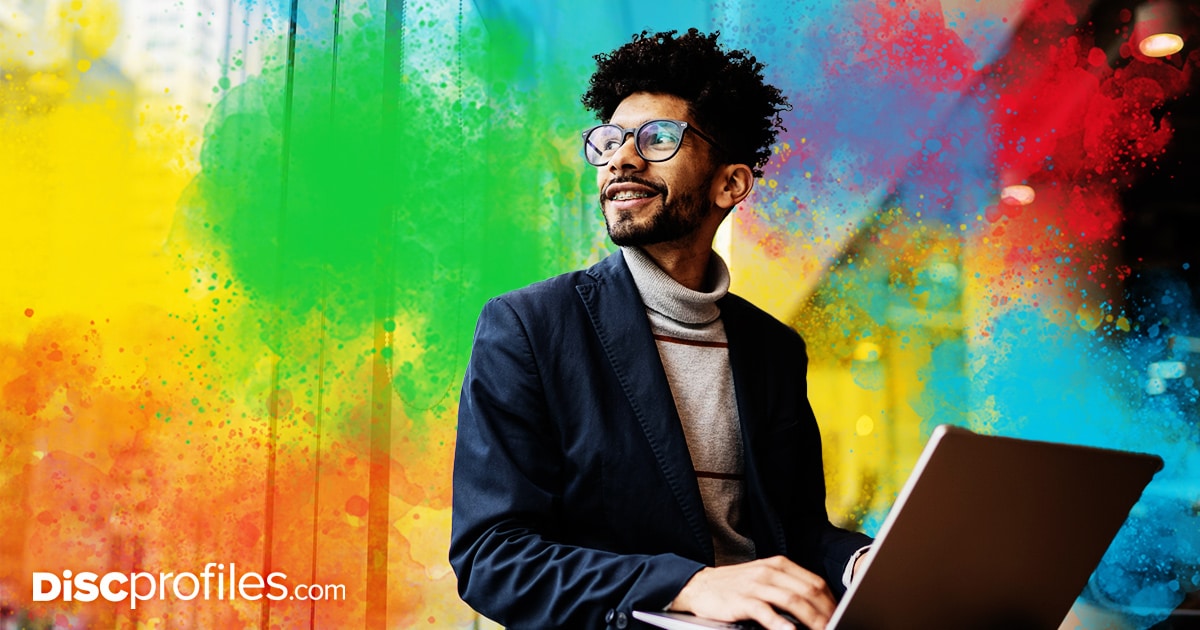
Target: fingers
(767,611)
(760,590)
(769,618)
(810,607)
(799,590)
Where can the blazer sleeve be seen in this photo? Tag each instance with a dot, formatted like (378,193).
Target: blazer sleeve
(790,462)
(507,540)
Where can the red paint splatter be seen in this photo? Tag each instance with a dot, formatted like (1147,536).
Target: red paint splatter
(895,35)
(248,530)
(28,312)
(1079,131)
(1064,116)
(773,246)
(356,506)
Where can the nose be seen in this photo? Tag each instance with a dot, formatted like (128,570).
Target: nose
(626,157)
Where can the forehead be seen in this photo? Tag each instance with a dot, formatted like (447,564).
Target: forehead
(639,107)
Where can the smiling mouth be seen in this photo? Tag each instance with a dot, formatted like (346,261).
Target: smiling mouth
(627,195)
(629,189)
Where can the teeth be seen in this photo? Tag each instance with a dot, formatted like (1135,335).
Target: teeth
(624,196)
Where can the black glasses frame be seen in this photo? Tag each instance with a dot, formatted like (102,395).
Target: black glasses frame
(684,126)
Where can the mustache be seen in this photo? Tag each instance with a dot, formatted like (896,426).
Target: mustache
(631,179)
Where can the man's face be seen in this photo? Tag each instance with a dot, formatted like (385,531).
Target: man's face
(647,203)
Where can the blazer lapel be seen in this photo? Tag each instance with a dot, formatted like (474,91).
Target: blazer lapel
(746,370)
(619,318)
(748,379)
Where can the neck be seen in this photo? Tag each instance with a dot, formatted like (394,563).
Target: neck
(686,265)
(686,259)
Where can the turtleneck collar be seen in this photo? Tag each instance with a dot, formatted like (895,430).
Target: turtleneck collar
(663,294)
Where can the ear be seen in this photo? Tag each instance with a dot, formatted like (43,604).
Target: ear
(730,185)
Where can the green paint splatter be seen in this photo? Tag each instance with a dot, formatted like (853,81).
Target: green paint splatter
(409,197)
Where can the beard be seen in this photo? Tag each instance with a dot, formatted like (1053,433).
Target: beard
(676,217)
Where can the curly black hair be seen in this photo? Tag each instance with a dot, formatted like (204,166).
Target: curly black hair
(727,95)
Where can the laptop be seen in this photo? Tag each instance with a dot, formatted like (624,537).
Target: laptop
(989,532)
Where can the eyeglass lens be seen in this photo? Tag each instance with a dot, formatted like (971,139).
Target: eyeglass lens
(656,140)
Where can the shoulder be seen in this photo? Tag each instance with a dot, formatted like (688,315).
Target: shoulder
(546,291)
(748,319)
(562,291)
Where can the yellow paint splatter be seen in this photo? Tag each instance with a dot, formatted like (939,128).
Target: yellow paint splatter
(1088,317)
(87,207)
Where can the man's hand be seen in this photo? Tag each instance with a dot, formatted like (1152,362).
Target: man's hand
(754,590)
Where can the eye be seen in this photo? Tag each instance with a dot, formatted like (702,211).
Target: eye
(664,137)
(660,137)
(606,139)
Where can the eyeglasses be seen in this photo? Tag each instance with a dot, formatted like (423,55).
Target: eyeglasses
(655,140)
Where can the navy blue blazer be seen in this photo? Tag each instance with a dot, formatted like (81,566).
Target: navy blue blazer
(575,500)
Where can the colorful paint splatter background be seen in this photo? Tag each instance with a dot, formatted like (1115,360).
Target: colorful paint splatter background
(244,244)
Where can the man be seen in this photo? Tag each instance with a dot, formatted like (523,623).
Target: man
(631,436)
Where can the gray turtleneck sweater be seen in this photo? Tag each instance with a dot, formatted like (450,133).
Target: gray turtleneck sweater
(695,355)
